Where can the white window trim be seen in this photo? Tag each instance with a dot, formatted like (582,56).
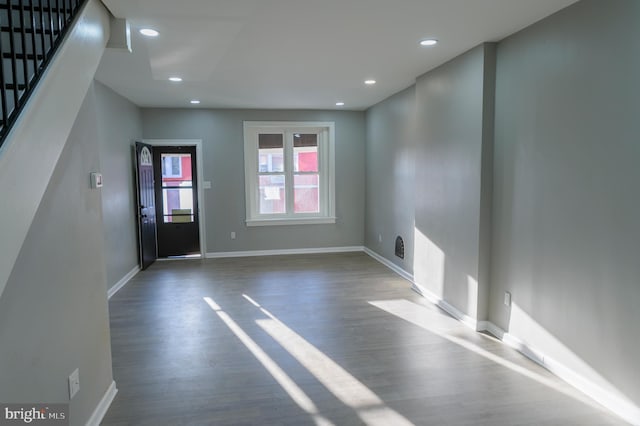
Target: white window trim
(326,169)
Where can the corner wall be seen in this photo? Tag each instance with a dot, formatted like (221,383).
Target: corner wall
(390,176)
(119,126)
(453,139)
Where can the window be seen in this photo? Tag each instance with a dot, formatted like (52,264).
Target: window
(289,172)
(171,166)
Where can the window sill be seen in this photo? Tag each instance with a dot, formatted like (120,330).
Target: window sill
(293,221)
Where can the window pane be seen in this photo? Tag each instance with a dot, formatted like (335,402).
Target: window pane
(270,153)
(306,194)
(305,152)
(272,194)
(177,205)
(176,169)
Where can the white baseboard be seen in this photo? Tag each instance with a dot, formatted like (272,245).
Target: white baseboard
(470,322)
(431,297)
(117,286)
(493,329)
(251,253)
(625,409)
(618,405)
(386,262)
(103,406)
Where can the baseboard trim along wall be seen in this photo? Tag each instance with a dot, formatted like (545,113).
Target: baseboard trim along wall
(103,405)
(252,253)
(117,286)
(470,322)
(618,405)
(386,262)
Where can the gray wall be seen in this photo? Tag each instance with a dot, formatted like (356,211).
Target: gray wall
(391,176)
(119,125)
(566,203)
(548,211)
(222,134)
(451,130)
(53,313)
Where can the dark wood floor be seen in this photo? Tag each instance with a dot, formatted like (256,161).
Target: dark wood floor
(314,339)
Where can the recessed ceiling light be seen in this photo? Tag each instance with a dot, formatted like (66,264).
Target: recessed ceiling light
(194,101)
(369,82)
(339,103)
(149,32)
(429,42)
(175,79)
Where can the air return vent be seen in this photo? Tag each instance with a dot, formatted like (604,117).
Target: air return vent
(399,247)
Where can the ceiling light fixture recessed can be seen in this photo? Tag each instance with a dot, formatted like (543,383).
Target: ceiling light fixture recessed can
(369,82)
(194,101)
(429,42)
(339,103)
(175,79)
(149,32)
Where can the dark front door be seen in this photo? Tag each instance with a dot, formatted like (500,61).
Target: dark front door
(177,202)
(146,205)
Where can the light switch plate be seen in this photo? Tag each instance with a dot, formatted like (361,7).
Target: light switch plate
(96,180)
(507,298)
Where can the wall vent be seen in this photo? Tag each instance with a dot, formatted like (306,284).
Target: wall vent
(399,247)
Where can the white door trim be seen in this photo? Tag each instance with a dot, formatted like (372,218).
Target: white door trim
(199,180)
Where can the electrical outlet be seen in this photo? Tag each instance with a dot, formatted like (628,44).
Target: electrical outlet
(233,235)
(74,383)
(507,298)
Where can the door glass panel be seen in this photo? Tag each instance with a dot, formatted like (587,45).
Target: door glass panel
(270,153)
(305,152)
(177,188)
(177,205)
(176,170)
(306,193)
(272,194)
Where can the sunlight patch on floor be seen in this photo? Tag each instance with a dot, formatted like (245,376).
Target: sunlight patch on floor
(442,326)
(289,386)
(336,379)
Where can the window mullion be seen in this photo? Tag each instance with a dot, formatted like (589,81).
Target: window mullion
(323,144)
(288,169)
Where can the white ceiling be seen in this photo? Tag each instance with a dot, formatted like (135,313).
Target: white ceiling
(299,54)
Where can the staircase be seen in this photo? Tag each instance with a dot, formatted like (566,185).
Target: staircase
(50,51)
(31,32)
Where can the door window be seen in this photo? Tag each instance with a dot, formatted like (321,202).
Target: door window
(177,188)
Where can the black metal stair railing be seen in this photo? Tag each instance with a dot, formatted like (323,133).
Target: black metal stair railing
(31,31)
